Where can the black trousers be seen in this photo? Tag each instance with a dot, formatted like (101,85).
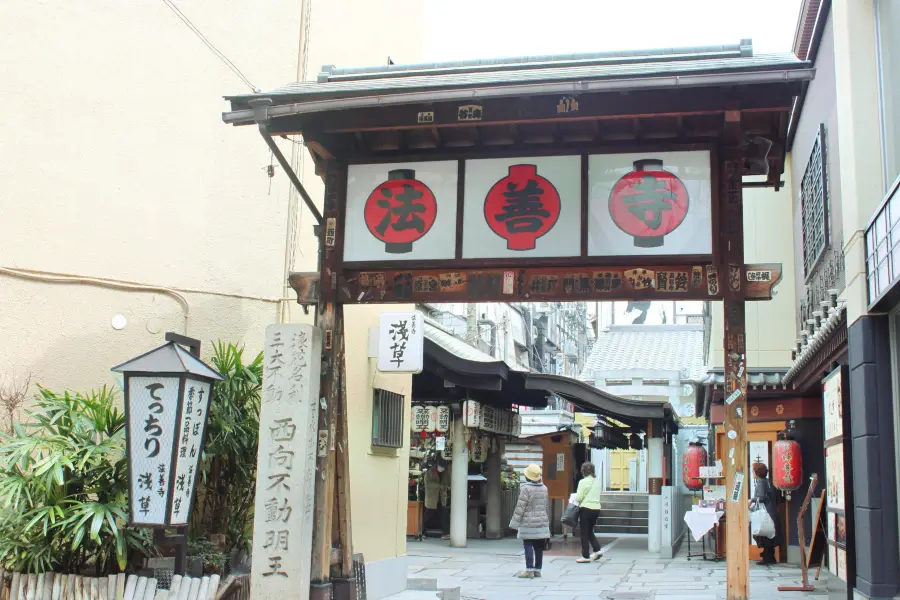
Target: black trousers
(534,553)
(437,517)
(768,548)
(587,519)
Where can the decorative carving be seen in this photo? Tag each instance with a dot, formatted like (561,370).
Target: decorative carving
(828,275)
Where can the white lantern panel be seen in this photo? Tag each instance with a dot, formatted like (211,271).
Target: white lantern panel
(192,427)
(152,414)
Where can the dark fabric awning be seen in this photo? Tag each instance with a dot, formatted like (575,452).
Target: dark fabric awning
(455,369)
(589,399)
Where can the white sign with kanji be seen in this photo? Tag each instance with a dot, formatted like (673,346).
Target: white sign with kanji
(650,204)
(286,463)
(152,414)
(189,447)
(401,342)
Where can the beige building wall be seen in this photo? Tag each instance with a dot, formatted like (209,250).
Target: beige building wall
(123,193)
(768,238)
(859,129)
(116,167)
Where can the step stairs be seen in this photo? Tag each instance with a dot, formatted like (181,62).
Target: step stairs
(623,513)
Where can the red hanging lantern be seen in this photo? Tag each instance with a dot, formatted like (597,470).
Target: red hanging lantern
(694,458)
(522,207)
(648,203)
(400,211)
(787,471)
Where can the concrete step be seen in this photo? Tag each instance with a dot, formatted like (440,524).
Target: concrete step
(612,530)
(617,520)
(623,505)
(625,498)
(624,513)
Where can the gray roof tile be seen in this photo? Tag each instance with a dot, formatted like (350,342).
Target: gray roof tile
(436,77)
(648,347)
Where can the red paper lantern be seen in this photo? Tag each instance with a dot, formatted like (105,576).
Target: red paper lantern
(648,203)
(400,211)
(694,458)
(787,471)
(522,207)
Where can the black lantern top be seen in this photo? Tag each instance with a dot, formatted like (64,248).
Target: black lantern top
(169,358)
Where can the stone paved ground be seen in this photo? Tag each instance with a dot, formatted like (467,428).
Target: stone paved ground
(484,571)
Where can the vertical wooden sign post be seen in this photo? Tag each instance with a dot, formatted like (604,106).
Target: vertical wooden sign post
(737,545)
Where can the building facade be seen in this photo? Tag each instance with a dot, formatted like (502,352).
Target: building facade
(846,165)
(131,210)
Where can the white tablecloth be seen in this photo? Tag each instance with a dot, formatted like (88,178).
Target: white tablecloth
(701,522)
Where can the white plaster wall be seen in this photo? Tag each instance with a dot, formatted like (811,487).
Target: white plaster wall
(116,165)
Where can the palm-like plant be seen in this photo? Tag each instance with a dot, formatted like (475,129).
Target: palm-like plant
(227,484)
(64,486)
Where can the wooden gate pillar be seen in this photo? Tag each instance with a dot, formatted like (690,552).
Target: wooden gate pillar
(737,545)
(331,517)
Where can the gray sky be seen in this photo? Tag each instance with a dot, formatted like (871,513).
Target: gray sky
(509,28)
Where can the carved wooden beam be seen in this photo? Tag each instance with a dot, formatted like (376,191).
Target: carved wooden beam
(679,282)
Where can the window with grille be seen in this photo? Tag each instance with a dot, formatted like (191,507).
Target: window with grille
(387,419)
(814,206)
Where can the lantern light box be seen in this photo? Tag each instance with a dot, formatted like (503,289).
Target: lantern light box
(635,204)
(167,396)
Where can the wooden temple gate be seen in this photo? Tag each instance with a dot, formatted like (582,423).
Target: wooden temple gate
(599,179)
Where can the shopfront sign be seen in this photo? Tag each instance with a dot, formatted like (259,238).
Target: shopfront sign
(401,342)
(490,419)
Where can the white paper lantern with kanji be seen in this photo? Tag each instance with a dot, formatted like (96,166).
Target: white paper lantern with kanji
(443,420)
(473,415)
(480,447)
(167,395)
(419,418)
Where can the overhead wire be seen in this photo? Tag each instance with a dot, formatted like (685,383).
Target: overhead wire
(212,47)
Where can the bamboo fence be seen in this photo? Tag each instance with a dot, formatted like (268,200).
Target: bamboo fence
(53,586)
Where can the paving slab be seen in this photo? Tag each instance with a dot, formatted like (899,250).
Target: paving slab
(485,570)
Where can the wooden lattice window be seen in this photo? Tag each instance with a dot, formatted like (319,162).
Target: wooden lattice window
(814,206)
(387,419)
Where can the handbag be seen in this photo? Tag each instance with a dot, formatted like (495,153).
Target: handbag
(761,523)
(548,544)
(570,517)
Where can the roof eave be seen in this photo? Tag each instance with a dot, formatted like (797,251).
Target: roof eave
(247,116)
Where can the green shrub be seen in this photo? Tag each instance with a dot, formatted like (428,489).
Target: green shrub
(227,483)
(64,487)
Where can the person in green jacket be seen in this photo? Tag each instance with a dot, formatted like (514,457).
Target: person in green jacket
(588,499)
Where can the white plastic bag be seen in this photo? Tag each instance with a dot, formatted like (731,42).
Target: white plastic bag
(761,524)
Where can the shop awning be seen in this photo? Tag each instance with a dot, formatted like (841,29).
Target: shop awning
(587,398)
(455,369)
